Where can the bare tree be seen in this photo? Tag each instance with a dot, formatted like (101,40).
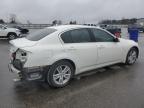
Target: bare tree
(72,22)
(13,18)
(57,22)
(28,22)
(2,21)
(54,22)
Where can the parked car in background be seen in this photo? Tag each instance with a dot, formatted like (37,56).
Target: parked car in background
(141,29)
(56,54)
(10,33)
(138,27)
(104,26)
(22,30)
(112,29)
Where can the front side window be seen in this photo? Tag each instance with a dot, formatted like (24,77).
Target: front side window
(40,34)
(102,36)
(76,36)
(66,37)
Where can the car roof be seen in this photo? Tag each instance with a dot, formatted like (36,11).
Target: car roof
(67,27)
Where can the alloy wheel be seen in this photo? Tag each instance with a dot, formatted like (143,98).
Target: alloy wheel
(132,56)
(11,36)
(62,74)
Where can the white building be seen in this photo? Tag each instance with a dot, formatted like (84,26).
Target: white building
(140,22)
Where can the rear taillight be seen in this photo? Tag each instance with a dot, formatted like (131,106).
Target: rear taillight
(19,55)
(22,55)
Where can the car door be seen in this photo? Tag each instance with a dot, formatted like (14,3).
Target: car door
(79,44)
(109,51)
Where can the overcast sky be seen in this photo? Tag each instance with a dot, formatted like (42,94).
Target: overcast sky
(89,11)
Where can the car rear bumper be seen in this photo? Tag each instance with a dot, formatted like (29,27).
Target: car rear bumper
(15,71)
(29,74)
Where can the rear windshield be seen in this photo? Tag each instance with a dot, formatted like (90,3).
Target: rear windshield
(35,36)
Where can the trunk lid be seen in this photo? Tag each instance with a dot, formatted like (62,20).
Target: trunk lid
(20,43)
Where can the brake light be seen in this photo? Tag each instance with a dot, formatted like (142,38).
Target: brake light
(22,55)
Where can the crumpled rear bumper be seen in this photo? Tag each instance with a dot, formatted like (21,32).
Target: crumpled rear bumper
(16,72)
(29,74)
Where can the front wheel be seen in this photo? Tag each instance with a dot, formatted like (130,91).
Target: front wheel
(60,74)
(132,56)
(12,36)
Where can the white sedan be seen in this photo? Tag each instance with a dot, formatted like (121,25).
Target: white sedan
(55,54)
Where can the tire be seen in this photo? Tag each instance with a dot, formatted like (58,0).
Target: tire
(12,36)
(56,77)
(132,56)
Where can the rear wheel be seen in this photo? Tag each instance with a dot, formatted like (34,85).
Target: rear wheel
(60,74)
(132,56)
(12,36)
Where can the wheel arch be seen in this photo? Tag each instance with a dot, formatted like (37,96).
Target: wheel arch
(133,47)
(68,60)
(11,33)
(127,50)
(136,49)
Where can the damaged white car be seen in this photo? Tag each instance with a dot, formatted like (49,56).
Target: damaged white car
(56,54)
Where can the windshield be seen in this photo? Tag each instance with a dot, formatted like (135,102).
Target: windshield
(40,34)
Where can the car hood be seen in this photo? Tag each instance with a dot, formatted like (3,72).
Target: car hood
(12,29)
(22,42)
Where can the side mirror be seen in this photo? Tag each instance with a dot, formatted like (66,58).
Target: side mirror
(116,40)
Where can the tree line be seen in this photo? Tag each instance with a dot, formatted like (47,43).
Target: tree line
(122,21)
(13,20)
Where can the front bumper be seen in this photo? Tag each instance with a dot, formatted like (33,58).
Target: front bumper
(29,74)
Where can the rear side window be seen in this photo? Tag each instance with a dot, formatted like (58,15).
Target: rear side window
(80,36)
(66,37)
(40,34)
(76,36)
